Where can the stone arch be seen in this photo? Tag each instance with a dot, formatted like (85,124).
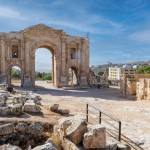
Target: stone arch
(74,75)
(9,73)
(55,59)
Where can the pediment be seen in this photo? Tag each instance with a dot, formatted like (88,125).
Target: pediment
(39,27)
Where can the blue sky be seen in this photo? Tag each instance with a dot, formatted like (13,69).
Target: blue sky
(119,29)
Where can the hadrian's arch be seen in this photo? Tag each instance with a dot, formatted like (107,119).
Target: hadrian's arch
(18,48)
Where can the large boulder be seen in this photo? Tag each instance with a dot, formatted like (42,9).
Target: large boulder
(76,131)
(6,129)
(22,127)
(95,137)
(35,129)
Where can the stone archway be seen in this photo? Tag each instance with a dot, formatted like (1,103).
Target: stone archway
(55,60)
(73,76)
(68,51)
(9,78)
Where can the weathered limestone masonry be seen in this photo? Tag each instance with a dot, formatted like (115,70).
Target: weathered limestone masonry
(94,80)
(137,86)
(18,49)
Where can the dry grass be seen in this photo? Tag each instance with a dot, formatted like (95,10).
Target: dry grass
(57,141)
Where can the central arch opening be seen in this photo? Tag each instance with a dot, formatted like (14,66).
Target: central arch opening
(44,67)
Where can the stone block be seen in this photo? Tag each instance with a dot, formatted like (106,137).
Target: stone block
(6,129)
(76,131)
(35,129)
(95,137)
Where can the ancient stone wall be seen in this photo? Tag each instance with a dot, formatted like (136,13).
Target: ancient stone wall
(94,80)
(18,49)
(137,85)
(143,89)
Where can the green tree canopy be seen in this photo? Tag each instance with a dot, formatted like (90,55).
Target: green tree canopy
(143,70)
(15,74)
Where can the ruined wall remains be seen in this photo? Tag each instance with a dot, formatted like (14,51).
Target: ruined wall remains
(143,89)
(98,80)
(18,49)
(137,85)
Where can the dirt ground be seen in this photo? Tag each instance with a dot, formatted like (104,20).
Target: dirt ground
(134,115)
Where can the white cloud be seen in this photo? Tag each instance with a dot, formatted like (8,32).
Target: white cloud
(141,36)
(8,12)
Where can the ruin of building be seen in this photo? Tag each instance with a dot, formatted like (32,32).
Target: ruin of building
(18,49)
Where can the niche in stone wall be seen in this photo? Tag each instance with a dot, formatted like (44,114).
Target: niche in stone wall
(73,52)
(15,51)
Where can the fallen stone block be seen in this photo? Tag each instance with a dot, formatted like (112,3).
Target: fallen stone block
(63,111)
(76,131)
(9,147)
(54,107)
(21,99)
(69,145)
(121,146)
(95,137)
(22,127)
(36,129)
(64,123)
(31,107)
(5,110)
(6,129)
(47,146)
(111,143)
(16,109)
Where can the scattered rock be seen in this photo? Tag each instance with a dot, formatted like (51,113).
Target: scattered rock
(76,131)
(47,146)
(69,145)
(54,107)
(30,107)
(16,109)
(36,129)
(121,147)
(6,129)
(9,147)
(5,110)
(52,142)
(95,137)
(22,127)
(63,111)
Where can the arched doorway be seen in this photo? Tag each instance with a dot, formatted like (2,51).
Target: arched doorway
(72,76)
(15,76)
(44,66)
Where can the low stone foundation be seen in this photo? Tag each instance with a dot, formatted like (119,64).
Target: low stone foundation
(24,134)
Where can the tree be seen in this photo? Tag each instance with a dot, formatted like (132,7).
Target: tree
(15,74)
(47,77)
(143,70)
